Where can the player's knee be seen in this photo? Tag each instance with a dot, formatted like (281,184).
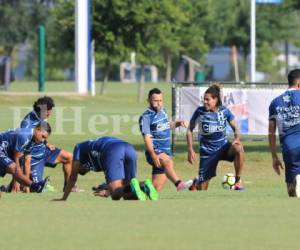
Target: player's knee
(238,148)
(66,156)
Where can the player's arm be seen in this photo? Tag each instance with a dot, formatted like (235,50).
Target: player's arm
(150,149)
(27,167)
(189,140)
(236,131)
(15,183)
(276,163)
(71,182)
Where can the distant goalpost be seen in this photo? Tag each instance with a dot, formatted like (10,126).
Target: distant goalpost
(249,102)
(84,63)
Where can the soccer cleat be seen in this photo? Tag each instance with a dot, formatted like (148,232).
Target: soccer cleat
(49,188)
(238,186)
(297,186)
(150,190)
(188,184)
(135,188)
(180,186)
(40,186)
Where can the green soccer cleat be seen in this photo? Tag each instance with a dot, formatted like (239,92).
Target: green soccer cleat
(150,190)
(135,188)
(49,188)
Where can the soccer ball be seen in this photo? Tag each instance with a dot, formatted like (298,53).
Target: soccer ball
(228,181)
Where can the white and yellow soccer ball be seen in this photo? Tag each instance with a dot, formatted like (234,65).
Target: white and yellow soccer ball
(228,181)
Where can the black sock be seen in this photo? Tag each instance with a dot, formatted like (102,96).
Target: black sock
(177,183)
(34,186)
(237,179)
(143,188)
(127,189)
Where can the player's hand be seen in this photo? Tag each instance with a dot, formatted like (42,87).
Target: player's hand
(102,193)
(277,165)
(50,146)
(156,160)
(181,124)
(236,141)
(61,199)
(191,156)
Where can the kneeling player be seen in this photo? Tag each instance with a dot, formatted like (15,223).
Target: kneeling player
(117,159)
(16,143)
(45,154)
(214,145)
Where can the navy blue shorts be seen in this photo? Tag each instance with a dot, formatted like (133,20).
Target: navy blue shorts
(155,170)
(119,161)
(208,163)
(292,164)
(5,161)
(39,162)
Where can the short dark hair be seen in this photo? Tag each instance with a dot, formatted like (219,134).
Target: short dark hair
(44,125)
(293,76)
(215,91)
(45,101)
(154,91)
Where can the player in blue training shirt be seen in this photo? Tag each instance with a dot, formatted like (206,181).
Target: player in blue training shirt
(117,159)
(14,144)
(46,155)
(214,145)
(155,128)
(284,113)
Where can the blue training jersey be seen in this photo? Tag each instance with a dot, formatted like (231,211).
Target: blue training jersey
(157,125)
(16,140)
(31,120)
(285,109)
(89,152)
(212,128)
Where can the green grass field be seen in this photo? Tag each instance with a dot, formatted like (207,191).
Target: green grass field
(262,217)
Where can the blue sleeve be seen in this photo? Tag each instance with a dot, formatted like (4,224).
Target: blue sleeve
(144,123)
(25,124)
(21,142)
(229,115)
(195,116)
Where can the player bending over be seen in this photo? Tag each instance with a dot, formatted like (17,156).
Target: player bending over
(214,145)
(45,154)
(117,159)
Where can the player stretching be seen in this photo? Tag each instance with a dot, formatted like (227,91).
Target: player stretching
(284,113)
(117,159)
(16,143)
(214,145)
(44,154)
(155,128)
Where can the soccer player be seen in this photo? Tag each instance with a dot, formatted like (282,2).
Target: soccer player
(14,144)
(45,154)
(117,159)
(214,145)
(155,129)
(284,113)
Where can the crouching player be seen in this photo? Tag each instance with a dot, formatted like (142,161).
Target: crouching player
(117,159)
(45,154)
(214,145)
(155,129)
(16,143)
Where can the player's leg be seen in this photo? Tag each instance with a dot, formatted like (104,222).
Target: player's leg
(159,180)
(237,151)
(168,165)
(207,170)
(292,172)
(113,160)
